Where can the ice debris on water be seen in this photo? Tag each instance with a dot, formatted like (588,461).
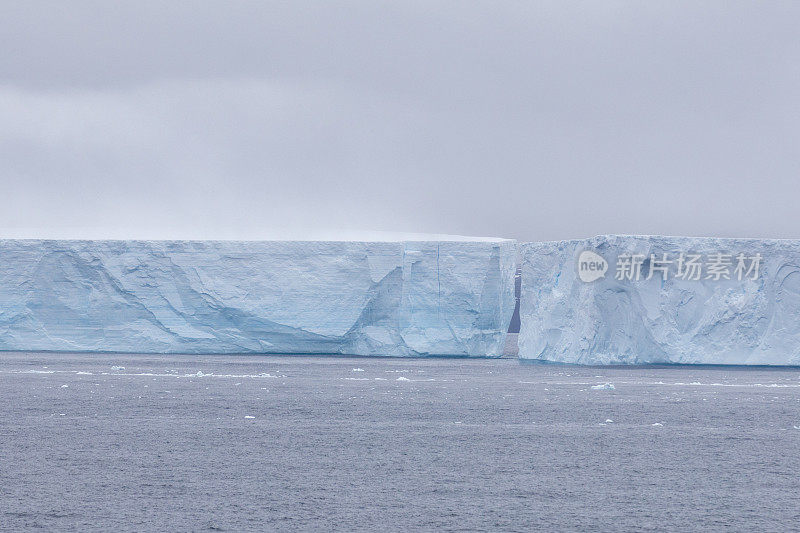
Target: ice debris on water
(604,386)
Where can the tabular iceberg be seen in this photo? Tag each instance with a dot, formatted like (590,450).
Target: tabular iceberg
(313,297)
(639,299)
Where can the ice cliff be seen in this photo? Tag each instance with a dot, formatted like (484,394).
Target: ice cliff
(362,298)
(738,304)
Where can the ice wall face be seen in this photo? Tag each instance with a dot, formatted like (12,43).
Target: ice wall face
(617,319)
(362,298)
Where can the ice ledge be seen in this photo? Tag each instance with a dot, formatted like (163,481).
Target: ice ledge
(664,319)
(403,298)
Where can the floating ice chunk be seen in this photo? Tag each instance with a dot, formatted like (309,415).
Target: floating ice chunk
(657,425)
(358,370)
(248,416)
(402,378)
(604,386)
(64,386)
(609,421)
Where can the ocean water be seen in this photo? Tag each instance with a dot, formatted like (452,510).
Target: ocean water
(108,442)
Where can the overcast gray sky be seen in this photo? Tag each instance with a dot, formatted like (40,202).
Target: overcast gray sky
(529,120)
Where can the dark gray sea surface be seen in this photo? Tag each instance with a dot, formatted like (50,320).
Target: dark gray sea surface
(192,443)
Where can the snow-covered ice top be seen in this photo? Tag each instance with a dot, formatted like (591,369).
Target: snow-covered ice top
(642,301)
(363,298)
(241,235)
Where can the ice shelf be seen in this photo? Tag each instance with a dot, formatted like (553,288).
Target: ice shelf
(402,298)
(740,306)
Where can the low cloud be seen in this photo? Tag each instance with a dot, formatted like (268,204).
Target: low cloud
(542,122)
